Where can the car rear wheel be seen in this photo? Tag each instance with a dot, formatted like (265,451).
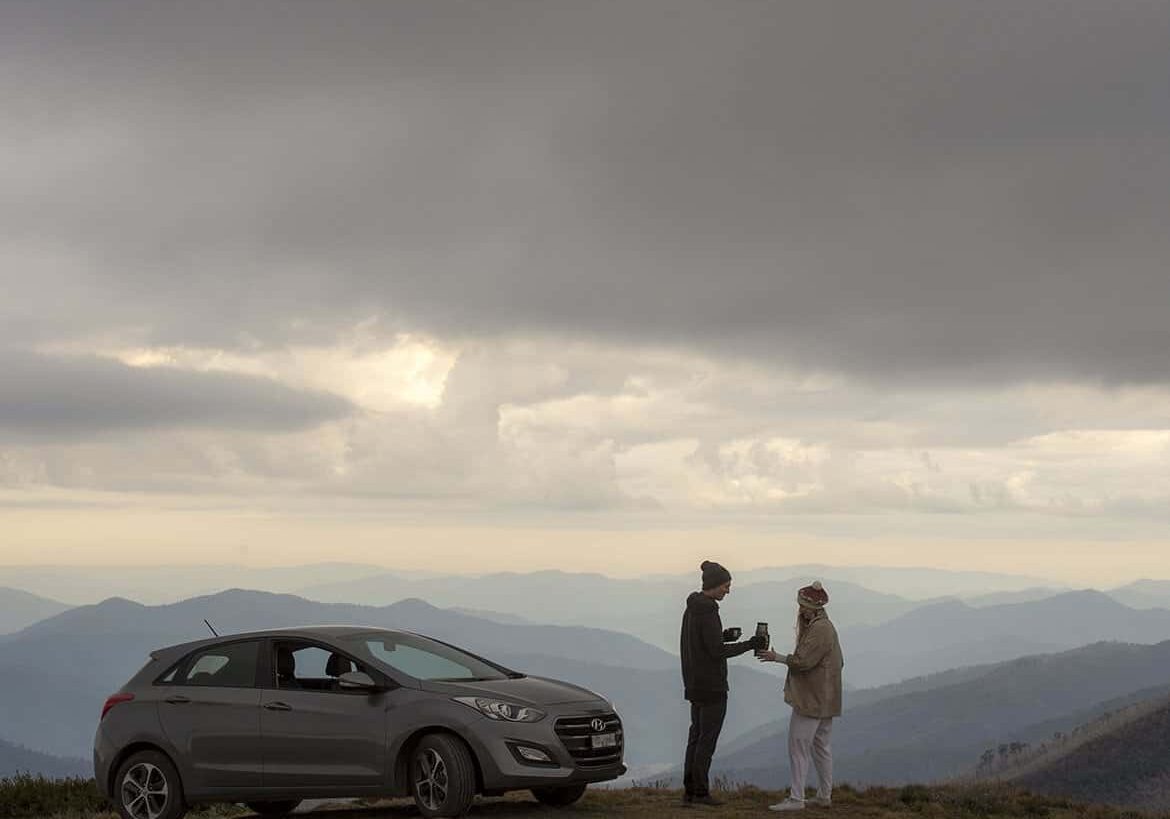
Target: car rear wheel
(147,786)
(559,797)
(442,776)
(282,808)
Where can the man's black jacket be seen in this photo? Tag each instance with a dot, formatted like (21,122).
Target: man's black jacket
(704,654)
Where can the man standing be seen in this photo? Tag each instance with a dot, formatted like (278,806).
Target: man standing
(704,670)
(813,689)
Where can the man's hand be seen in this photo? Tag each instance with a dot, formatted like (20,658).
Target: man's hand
(758,642)
(771,656)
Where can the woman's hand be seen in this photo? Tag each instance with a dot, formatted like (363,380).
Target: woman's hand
(771,656)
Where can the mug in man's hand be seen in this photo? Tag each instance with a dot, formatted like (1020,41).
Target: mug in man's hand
(730,635)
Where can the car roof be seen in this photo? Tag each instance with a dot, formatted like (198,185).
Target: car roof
(308,632)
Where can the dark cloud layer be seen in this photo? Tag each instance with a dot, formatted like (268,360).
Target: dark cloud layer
(907,189)
(68,397)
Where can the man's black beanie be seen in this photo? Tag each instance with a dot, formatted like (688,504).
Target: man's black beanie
(714,575)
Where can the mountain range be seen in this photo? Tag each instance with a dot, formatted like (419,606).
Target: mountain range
(86,585)
(72,661)
(930,683)
(650,610)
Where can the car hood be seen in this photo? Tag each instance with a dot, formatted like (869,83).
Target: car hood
(523,690)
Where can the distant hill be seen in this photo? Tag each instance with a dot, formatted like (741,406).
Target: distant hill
(551,597)
(85,585)
(939,732)
(1021,596)
(1013,758)
(16,759)
(1143,594)
(239,610)
(1128,766)
(494,616)
(648,609)
(913,583)
(951,633)
(19,609)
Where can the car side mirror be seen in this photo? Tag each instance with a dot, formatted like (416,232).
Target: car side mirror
(358,681)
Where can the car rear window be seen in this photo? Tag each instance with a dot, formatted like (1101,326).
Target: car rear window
(232,665)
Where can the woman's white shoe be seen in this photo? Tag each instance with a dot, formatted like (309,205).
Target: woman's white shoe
(788,804)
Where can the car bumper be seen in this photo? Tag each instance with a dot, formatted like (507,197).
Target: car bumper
(504,769)
(103,753)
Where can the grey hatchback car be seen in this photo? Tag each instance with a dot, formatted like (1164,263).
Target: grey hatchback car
(271,718)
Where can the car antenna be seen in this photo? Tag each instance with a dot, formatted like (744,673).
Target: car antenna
(213,631)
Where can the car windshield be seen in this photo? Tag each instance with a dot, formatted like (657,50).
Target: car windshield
(422,658)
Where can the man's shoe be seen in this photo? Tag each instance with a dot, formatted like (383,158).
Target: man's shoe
(688,800)
(706,799)
(821,802)
(788,804)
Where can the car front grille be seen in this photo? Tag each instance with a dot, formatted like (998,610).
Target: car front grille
(575,733)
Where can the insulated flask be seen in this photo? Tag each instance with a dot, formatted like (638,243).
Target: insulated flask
(762,631)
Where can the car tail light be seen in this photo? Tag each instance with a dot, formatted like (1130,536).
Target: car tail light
(113,700)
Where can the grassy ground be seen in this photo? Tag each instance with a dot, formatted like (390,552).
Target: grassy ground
(29,798)
(913,802)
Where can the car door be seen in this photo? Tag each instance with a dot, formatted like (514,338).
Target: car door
(210,711)
(313,733)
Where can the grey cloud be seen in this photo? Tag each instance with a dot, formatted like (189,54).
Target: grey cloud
(906,190)
(70,397)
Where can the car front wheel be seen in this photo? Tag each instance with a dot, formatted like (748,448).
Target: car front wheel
(442,776)
(147,786)
(559,797)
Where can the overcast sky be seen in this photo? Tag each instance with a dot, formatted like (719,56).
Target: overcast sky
(590,285)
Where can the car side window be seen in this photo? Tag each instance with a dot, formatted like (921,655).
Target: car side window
(310,667)
(225,666)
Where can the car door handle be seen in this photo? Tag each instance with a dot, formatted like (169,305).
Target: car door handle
(177,699)
(277,706)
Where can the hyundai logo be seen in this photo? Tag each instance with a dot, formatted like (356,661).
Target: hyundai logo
(598,724)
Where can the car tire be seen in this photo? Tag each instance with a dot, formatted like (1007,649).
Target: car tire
(442,776)
(559,797)
(281,808)
(147,786)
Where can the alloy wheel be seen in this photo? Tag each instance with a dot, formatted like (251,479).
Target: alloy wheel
(145,791)
(431,784)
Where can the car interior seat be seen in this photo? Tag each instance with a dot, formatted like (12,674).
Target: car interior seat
(337,665)
(286,668)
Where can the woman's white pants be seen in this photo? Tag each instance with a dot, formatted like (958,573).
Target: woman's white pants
(808,738)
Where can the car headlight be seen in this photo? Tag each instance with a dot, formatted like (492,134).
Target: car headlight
(501,710)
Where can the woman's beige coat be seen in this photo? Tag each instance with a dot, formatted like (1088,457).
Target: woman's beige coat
(813,685)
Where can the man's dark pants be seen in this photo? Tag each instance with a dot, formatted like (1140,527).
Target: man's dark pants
(706,723)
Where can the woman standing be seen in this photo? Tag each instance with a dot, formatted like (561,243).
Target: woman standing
(813,689)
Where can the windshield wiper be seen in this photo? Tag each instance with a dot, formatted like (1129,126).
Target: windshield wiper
(460,679)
